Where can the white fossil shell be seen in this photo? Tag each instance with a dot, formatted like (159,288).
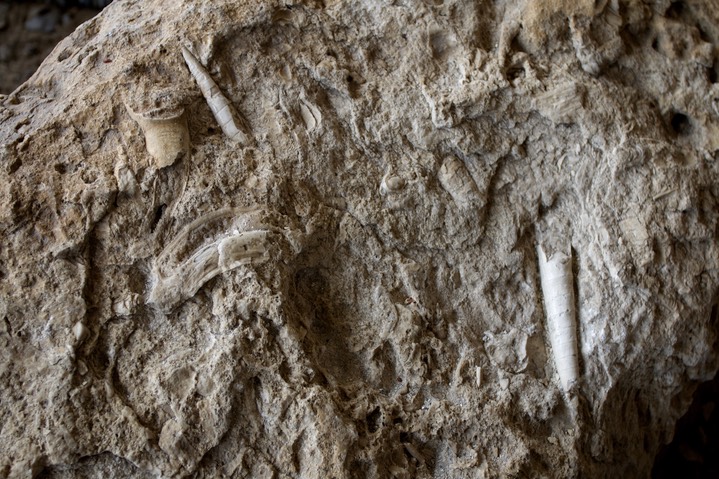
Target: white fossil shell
(391,183)
(80,331)
(126,305)
(206,263)
(558,290)
(176,279)
(241,249)
(124,176)
(218,103)
(166,138)
(168,261)
(456,180)
(310,115)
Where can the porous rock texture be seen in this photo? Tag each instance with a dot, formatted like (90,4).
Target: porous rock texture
(354,292)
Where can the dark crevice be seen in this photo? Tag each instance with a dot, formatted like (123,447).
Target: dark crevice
(374,420)
(14,166)
(675,10)
(158,216)
(703,36)
(692,451)
(81,3)
(680,123)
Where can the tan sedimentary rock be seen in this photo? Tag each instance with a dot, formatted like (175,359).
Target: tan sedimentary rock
(356,291)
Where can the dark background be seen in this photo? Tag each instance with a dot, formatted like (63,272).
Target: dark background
(30,30)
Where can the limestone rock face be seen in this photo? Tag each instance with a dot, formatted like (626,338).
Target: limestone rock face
(353,290)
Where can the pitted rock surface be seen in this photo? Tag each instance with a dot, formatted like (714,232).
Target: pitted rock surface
(354,292)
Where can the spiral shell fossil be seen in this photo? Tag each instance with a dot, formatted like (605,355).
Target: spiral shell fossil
(219,104)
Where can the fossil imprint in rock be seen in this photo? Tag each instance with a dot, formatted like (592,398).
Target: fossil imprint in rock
(402,302)
(177,278)
(456,180)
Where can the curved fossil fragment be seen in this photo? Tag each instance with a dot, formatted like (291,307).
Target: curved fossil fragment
(178,276)
(391,183)
(218,103)
(241,248)
(557,287)
(166,136)
(310,115)
(456,180)
(205,263)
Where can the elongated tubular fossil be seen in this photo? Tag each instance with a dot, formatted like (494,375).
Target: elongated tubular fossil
(219,104)
(557,287)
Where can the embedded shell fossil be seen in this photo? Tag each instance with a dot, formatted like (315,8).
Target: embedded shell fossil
(221,107)
(558,289)
(167,138)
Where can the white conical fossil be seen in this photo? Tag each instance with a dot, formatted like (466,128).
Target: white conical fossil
(558,290)
(219,104)
(166,136)
(310,115)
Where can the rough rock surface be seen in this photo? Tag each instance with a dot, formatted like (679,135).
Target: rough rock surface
(354,290)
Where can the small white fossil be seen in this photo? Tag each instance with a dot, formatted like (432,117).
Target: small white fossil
(124,176)
(310,115)
(414,453)
(285,72)
(126,305)
(558,289)
(80,331)
(241,249)
(391,183)
(456,180)
(218,103)
(166,136)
